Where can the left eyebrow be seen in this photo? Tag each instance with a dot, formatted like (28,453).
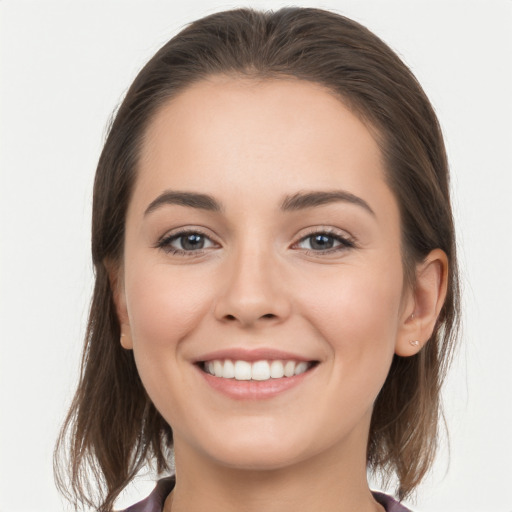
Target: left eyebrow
(190,199)
(303,200)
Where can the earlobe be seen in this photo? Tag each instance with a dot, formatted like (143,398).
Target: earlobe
(126,339)
(427,299)
(115,273)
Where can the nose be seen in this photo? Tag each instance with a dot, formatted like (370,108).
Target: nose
(253,292)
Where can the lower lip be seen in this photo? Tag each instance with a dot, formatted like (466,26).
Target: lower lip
(254,389)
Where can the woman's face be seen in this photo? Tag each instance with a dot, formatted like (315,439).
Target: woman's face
(262,238)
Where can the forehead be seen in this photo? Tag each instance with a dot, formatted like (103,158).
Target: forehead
(225,135)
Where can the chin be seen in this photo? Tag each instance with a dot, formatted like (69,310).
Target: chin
(258,450)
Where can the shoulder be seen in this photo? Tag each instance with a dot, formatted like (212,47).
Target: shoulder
(155,501)
(389,503)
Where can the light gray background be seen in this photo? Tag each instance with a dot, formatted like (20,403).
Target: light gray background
(64,67)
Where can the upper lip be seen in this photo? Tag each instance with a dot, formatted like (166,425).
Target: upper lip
(244,354)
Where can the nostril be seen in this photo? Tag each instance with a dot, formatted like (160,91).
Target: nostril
(269,316)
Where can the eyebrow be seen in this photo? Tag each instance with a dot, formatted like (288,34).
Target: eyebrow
(299,201)
(303,200)
(190,199)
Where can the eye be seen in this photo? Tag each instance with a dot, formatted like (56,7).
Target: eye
(185,242)
(324,242)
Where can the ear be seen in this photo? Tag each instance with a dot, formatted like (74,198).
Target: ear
(115,276)
(423,304)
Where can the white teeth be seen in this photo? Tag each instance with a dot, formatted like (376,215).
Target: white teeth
(259,370)
(289,368)
(276,369)
(229,369)
(218,368)
(301,368)
(242,370)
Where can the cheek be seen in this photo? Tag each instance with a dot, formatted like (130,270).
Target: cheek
(357,314)
(355,300)
(163,306)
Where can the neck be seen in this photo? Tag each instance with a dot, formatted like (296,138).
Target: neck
(326,482)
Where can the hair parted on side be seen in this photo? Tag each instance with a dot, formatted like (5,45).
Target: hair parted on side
(112,428)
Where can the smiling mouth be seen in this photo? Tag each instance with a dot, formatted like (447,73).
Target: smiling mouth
(255,371)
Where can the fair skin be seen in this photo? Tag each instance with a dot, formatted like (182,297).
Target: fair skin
(267,270)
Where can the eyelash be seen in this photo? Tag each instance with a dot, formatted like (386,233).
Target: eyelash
(345,242)
(165,242)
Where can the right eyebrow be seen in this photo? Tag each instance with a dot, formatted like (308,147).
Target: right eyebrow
(303,200)
(190,199)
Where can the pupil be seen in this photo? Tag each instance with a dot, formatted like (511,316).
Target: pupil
(322,242)
(191,242)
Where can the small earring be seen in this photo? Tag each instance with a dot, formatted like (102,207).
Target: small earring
(414,343)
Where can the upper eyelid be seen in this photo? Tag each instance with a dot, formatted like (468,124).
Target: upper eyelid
(345,240)
(177,232)
(328,230)
(166,241)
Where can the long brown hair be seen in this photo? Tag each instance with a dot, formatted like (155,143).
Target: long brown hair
(112,428)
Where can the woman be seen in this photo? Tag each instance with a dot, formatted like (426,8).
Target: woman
(276,295)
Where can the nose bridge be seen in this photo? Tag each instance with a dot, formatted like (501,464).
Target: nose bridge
(253,290)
